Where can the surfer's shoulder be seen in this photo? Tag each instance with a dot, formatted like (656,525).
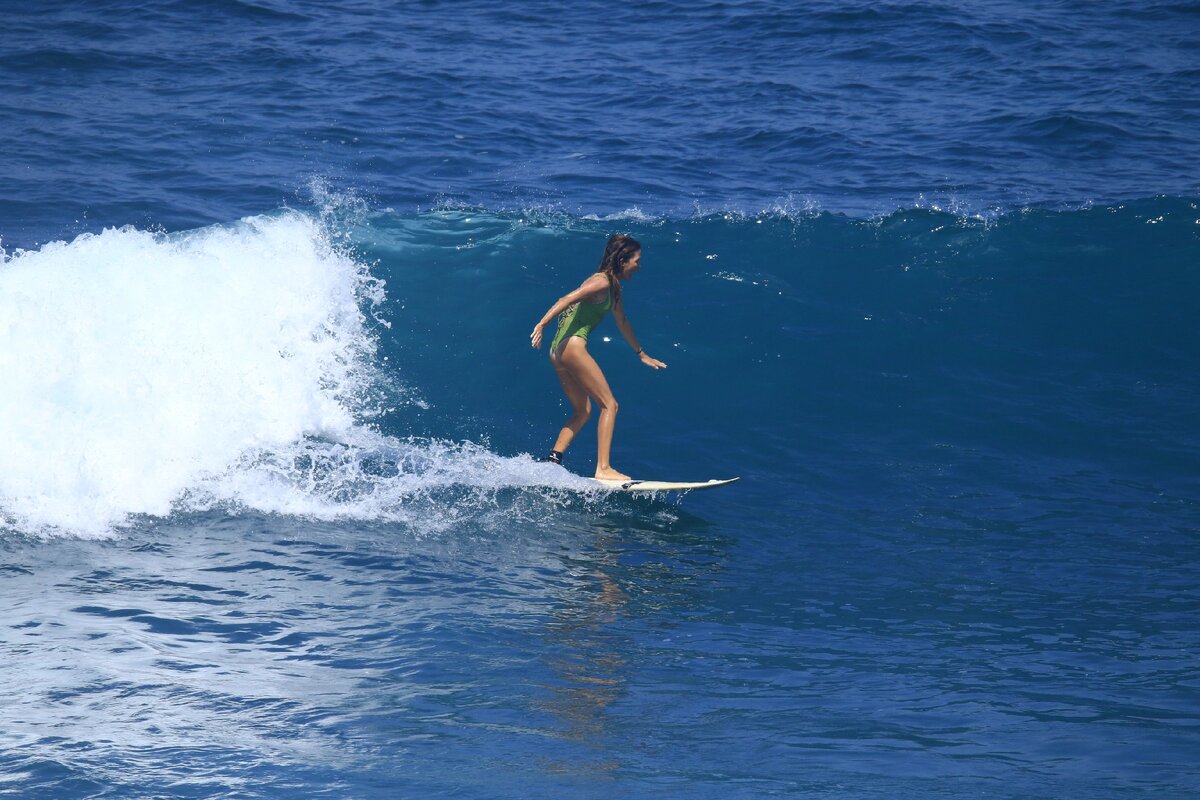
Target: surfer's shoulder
(593,284)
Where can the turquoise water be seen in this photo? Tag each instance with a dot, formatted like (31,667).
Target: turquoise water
(271,523)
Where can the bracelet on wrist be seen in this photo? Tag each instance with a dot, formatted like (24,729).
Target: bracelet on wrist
(640,350)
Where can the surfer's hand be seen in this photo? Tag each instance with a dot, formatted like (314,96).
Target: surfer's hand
(651,362)
(535,338)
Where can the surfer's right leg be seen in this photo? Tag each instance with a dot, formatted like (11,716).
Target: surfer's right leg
(581,407)
(586,372)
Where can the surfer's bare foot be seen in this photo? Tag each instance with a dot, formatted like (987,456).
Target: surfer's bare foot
(610,474)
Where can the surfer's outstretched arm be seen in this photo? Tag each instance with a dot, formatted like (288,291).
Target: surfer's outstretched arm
(626,329)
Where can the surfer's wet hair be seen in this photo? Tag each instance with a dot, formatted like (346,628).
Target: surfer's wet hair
(620,248)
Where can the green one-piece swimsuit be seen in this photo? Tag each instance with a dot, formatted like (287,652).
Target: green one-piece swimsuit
(580,318)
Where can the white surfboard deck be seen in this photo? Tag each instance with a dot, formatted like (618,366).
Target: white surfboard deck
(660,486)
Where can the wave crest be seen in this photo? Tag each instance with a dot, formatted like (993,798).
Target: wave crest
(137,363)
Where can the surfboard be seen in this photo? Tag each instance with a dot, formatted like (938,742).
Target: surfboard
(661,486)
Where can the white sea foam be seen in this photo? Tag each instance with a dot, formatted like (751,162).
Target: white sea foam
(633,214)
(229,366)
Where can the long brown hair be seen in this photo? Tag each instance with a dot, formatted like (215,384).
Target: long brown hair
(620,248)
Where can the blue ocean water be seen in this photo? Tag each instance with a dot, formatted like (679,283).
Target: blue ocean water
(925,277)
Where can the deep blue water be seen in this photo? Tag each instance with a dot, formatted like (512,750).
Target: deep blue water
(925,277)
(182,113)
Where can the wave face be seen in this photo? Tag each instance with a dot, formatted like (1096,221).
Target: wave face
(184,115)
(269,519)
(355,365)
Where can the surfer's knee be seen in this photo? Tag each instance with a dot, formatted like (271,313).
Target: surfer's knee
(607,404)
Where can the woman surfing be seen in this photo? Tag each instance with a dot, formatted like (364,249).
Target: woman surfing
(578,314)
